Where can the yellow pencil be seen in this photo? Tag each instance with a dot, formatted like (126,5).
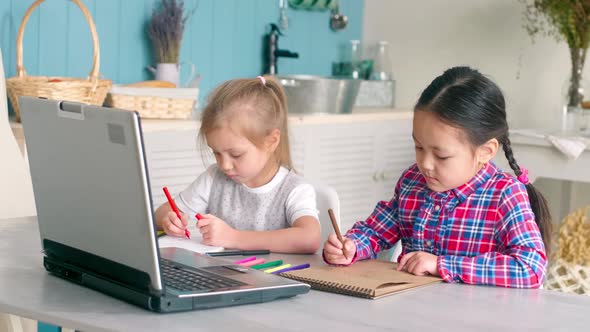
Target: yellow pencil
(284,266)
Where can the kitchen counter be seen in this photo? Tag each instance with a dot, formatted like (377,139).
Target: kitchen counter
(358,115)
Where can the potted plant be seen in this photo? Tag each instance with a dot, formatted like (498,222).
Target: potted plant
(165,30)
(567,20)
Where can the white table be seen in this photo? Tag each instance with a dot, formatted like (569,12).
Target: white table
(29,291)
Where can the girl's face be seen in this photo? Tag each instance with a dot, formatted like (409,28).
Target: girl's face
(240,159)
(443,153)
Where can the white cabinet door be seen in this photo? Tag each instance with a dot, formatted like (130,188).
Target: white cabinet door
(342,156)
(395,153)
(361,161)
(174,160)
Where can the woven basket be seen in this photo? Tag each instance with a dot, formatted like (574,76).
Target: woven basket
(151,106)
(89,91)
(570,270)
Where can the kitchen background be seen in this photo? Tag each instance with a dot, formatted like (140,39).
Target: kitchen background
(223,38)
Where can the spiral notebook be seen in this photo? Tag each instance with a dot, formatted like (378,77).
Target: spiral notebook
(370,279)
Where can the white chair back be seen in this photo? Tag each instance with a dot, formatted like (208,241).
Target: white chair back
(327,198)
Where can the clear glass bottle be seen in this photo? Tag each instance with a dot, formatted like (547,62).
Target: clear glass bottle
(355,59)
(382,70)
(575,90)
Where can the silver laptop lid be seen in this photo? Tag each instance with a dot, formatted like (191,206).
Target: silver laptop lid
(90,181)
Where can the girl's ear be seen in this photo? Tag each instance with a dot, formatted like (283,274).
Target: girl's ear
(487,151)
(273,139)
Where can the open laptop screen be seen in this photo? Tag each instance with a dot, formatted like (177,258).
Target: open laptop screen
(90,181)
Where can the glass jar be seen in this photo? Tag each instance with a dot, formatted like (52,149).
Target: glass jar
(574,91)
(382,70)
(355,59)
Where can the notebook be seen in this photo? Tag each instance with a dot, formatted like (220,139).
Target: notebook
(96,220)
(193,244)
(370,279)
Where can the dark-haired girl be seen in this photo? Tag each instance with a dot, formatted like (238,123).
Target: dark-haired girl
(458,216)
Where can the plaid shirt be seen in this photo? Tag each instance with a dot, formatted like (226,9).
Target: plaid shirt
(483,232)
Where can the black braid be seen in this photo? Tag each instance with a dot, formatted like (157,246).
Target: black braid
(510,156)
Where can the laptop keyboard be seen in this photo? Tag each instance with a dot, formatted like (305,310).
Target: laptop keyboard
(188,279)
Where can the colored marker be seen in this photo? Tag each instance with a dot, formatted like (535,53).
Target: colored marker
(175,209)
(254,262)
(284,266)
(238,253)
(245,260)
(292,268)
(267,264)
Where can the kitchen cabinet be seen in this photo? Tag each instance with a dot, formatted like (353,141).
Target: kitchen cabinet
(360,155)
(361,159)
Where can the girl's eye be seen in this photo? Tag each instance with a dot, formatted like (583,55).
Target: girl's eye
(442,158)
(236,156)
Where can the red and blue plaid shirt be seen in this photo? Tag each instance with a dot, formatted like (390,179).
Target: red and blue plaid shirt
(483,232)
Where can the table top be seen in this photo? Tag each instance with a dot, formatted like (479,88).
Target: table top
(29,291)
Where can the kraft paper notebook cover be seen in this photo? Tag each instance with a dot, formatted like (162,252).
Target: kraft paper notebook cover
(369,279)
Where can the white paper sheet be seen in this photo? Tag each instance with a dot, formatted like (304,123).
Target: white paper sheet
(194,244)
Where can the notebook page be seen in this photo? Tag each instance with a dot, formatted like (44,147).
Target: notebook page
(192,244)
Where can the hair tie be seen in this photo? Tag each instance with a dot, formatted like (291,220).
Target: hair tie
(262,79)
(523,177)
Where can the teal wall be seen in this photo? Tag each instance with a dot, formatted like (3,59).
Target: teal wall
(223,38)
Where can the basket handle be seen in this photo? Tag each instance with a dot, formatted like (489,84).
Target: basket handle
(20,69)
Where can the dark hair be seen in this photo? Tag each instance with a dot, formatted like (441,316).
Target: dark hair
(466,99)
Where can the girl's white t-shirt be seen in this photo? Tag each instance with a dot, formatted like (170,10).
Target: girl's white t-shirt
(301,201)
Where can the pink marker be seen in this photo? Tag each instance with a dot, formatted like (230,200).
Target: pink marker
(254,262)
(245,260)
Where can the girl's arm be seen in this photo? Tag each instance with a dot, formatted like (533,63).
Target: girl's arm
(302,238)
(520,261)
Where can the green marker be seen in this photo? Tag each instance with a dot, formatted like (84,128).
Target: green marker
(267,264)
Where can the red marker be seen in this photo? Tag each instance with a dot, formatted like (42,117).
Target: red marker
(175,209)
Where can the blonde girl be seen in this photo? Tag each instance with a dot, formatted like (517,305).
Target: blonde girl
(251,198)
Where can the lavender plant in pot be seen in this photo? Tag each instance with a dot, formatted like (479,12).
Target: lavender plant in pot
(569,21)
(165,30)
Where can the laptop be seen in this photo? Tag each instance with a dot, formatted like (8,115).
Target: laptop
(95,214)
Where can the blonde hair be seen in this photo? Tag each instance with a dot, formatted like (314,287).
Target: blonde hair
(268,112)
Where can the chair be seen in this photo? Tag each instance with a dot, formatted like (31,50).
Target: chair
(327,198)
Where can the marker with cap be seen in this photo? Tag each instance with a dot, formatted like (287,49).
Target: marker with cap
(284,266)
(292,268)
(268,264)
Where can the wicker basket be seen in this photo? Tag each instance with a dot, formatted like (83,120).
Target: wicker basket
(92,90)
(155,103)
(570,270)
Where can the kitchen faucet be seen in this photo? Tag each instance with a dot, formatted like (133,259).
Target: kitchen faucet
(272,51)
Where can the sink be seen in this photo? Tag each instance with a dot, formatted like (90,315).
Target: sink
(308,94)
